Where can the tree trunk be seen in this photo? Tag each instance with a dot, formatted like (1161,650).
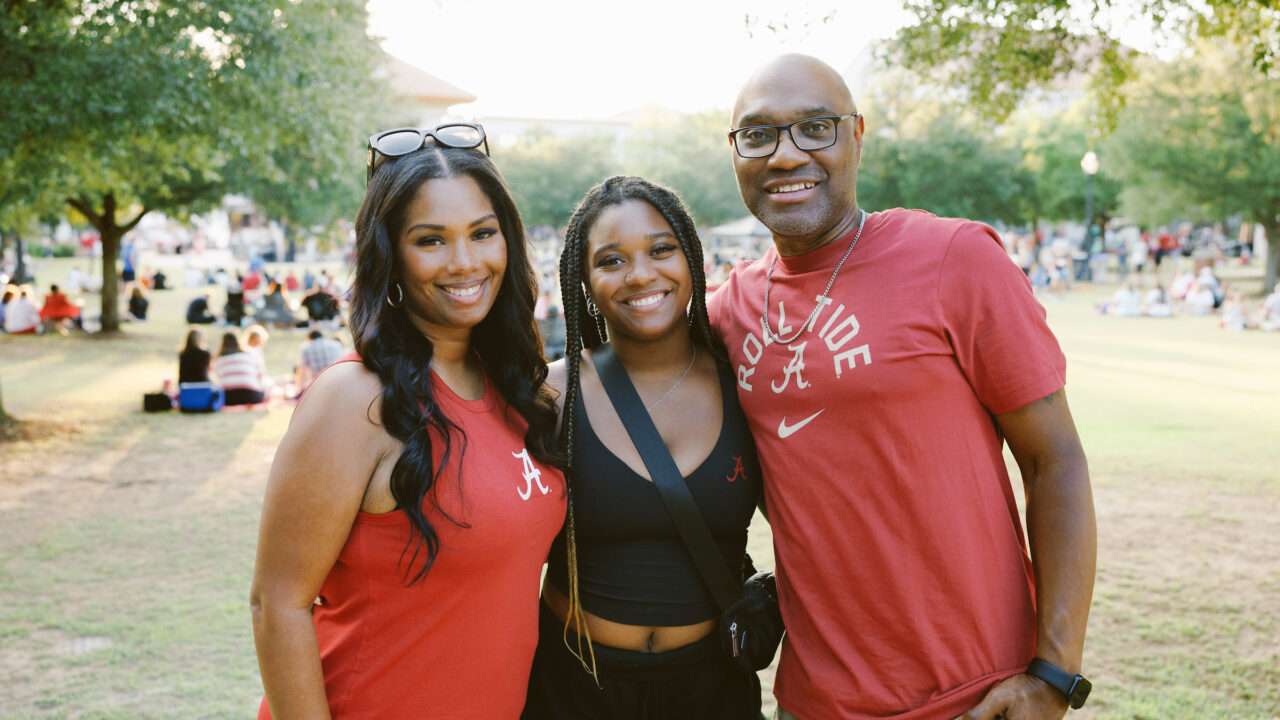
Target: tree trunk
(111,232)
(291,249)
(20,269)
(1273,253)
(111,235)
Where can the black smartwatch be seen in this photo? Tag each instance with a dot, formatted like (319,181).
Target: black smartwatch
(1075,688)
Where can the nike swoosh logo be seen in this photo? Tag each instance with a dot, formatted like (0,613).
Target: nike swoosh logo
(785,430)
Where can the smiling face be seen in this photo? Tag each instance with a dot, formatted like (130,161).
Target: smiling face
(806,198)
(637,272)
(452,256)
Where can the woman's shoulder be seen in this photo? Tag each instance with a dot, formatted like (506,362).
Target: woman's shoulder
(345,382)
(347,399)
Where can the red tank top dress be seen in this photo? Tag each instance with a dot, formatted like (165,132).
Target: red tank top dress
(458,644)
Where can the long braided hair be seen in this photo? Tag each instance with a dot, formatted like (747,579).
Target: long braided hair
(582,331)
(506,340)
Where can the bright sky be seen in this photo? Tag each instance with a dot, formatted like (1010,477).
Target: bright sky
(594,58)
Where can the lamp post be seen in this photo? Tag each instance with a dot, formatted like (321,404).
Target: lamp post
(1089,164)
(1084,268)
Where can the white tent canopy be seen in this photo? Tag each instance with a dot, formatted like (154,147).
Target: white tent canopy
(747,227)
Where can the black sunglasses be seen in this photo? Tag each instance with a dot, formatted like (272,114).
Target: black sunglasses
(402,141)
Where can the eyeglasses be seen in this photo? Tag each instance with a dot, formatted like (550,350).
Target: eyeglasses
(816,133)
(402,141)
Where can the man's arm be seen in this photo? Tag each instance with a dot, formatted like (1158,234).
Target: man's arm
(1063,538)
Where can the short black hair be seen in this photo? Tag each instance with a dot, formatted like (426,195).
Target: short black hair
(315,335)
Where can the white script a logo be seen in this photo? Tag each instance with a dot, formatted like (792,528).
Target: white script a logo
(531,475)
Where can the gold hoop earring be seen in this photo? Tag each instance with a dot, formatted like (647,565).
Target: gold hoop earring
(400,291)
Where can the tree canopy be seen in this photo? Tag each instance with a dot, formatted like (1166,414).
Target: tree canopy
(120,107)
(692,155)
(1001,50)
(1207,129)
(1199,134)
(549,175)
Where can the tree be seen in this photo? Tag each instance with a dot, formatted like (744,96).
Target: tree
(1001,49)
(690,154)
(128,107)
(950,171)
(1210,129)
(921,151)
(549,175)
(1052,147)
(310,169)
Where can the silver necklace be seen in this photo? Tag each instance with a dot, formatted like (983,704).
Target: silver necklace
(764,318)
(682,377)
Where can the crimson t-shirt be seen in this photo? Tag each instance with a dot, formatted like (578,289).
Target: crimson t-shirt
(903,573)
(458,644)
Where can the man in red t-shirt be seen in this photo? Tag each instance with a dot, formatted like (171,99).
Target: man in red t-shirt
(892,356)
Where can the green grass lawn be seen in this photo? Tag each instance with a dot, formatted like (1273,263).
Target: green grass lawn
(127,539)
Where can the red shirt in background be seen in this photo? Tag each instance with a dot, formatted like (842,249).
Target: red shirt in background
(58,307)
(902,569)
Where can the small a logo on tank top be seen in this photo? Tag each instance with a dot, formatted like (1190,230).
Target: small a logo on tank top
(531,475)
(738,470)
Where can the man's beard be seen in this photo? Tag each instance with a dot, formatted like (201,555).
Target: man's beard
(805,223)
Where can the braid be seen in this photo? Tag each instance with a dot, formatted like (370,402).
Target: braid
(575,308)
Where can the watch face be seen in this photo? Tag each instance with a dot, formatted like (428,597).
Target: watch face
(1079,692)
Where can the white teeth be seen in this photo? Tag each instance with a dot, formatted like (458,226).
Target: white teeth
(647,300)
(792,188)
(463,292)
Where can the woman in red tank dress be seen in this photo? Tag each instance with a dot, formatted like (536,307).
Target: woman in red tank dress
(413,499)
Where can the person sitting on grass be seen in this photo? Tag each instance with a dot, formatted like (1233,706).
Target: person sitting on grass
(1236,313)
(238,372)
(255,343)
(1124,303)
(21,316)
(138,304)
(58,312)
(275,308)
(1269,313)
(1200,300)
(10,292)
(318,353)
(194,361)
(322,307)
(198,311)
(1157,303)
(1182,284)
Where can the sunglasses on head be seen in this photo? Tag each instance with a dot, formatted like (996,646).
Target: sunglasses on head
(402,141)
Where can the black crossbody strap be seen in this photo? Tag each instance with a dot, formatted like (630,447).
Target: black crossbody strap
(667,478)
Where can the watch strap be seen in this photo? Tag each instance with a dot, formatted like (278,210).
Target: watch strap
(1075,688)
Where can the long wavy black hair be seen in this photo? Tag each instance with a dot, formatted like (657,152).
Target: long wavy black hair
(584,331)
(506,340)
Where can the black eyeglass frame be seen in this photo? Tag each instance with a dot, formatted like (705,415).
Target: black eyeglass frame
(375,138)
(835,134)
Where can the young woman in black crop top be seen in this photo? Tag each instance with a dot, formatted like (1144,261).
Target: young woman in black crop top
(627,626)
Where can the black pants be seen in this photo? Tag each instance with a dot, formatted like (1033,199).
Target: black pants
(244,396)
(694,682)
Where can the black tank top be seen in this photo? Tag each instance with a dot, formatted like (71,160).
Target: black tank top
(633,568)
